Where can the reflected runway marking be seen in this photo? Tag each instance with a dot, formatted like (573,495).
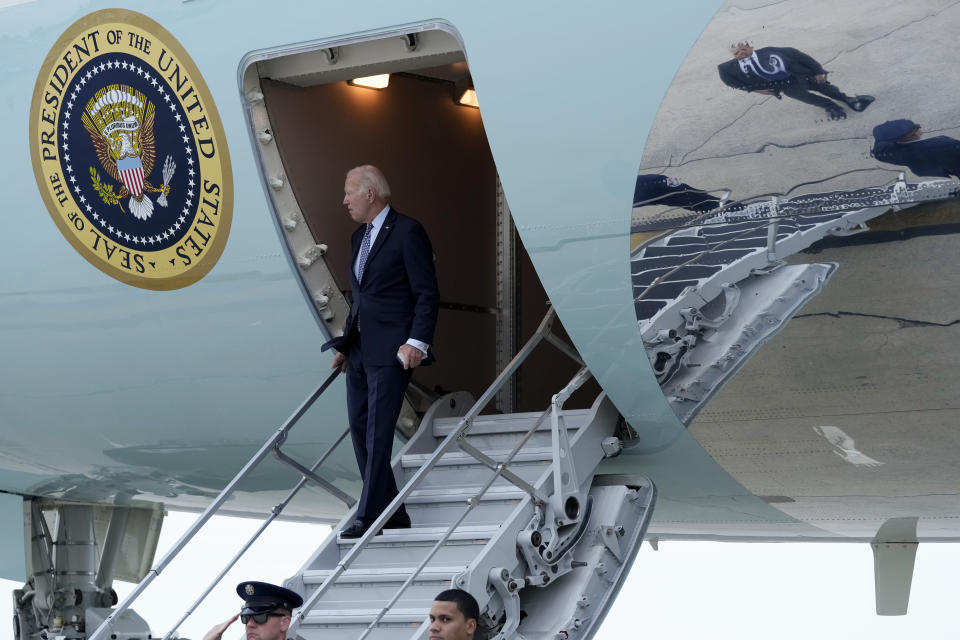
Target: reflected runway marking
(845,447)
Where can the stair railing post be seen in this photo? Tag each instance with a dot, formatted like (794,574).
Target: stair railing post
(448,443)
(566,484)
(212,508)
(471,504)
(454,438)
(500,470)
(773,228)
(274,513)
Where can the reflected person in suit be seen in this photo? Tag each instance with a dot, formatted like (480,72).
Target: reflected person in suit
(788,71)
(902,142)
(386,335)
(655,188)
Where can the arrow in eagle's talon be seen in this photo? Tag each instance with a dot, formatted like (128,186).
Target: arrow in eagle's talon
(169,166)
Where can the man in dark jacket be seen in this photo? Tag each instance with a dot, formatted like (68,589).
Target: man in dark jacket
(783,70)
(655,188)
(899,142)
(388,332)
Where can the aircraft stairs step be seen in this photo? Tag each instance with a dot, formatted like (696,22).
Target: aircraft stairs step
(732,242)
(491,552)
(707,296)
(504,506)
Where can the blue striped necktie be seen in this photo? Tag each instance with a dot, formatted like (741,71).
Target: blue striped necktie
(364,252)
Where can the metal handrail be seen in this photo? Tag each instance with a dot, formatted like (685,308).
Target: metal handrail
(279,436)
(454,438)
(499,471)
(274,513)
(719,246)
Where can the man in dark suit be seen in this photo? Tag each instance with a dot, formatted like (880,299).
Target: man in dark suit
(901,142)
(784,70)
(655,188)
(387,334)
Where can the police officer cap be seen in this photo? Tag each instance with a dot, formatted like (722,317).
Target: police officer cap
(893,130)
(263,597)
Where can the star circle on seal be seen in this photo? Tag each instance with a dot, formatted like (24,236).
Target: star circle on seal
(129,152)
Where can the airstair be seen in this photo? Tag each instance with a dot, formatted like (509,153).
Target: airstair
(505,506)
(709,293)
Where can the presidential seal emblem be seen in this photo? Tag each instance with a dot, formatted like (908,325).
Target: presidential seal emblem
(129,152)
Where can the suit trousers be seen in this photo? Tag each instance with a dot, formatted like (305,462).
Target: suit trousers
(374,399)
(802,91)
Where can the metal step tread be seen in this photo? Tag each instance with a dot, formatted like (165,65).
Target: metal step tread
(426,534)
(378,574)
(358,616)
(507,422)
(462,494)
(454,458)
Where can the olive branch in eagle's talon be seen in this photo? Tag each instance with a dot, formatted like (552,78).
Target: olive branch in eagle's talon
(105,190)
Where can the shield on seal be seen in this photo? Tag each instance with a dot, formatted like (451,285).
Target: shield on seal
(131,174)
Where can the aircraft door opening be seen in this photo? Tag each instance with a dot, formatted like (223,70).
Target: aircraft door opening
(313,122)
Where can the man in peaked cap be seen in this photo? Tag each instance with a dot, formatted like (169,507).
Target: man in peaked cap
(901,142)
(266,612)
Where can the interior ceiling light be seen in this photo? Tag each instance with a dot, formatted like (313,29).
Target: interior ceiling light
(372,82)
(468,98)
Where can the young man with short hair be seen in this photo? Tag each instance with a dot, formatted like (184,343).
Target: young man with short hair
(453,616)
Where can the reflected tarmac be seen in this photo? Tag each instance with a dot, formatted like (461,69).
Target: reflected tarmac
(804,326)
(719,139)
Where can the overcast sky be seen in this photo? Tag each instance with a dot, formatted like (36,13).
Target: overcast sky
(684,590)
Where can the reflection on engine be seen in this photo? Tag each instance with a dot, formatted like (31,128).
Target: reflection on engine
(774,136)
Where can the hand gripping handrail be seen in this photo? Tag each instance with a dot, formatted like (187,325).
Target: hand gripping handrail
(453,439)
(279,436)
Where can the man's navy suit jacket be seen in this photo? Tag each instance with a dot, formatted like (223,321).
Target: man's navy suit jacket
(931,157)
(398,297)
(799,65)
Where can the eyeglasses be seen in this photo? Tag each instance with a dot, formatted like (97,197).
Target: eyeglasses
(260,618)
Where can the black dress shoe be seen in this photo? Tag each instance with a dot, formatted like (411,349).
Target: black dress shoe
(861,102)
(399,520)
(355,530)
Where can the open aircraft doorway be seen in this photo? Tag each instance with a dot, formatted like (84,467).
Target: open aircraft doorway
(396,100)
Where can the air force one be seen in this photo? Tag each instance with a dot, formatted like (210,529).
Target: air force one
(696,263)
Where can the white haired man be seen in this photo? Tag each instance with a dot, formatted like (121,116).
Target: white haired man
(387,334)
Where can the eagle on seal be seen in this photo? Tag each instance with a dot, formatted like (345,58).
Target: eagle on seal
(121,130)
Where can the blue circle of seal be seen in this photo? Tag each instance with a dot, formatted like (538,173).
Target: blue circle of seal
(175,154)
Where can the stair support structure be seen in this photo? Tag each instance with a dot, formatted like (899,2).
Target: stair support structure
(533,546)
(113,624)
(531,521)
